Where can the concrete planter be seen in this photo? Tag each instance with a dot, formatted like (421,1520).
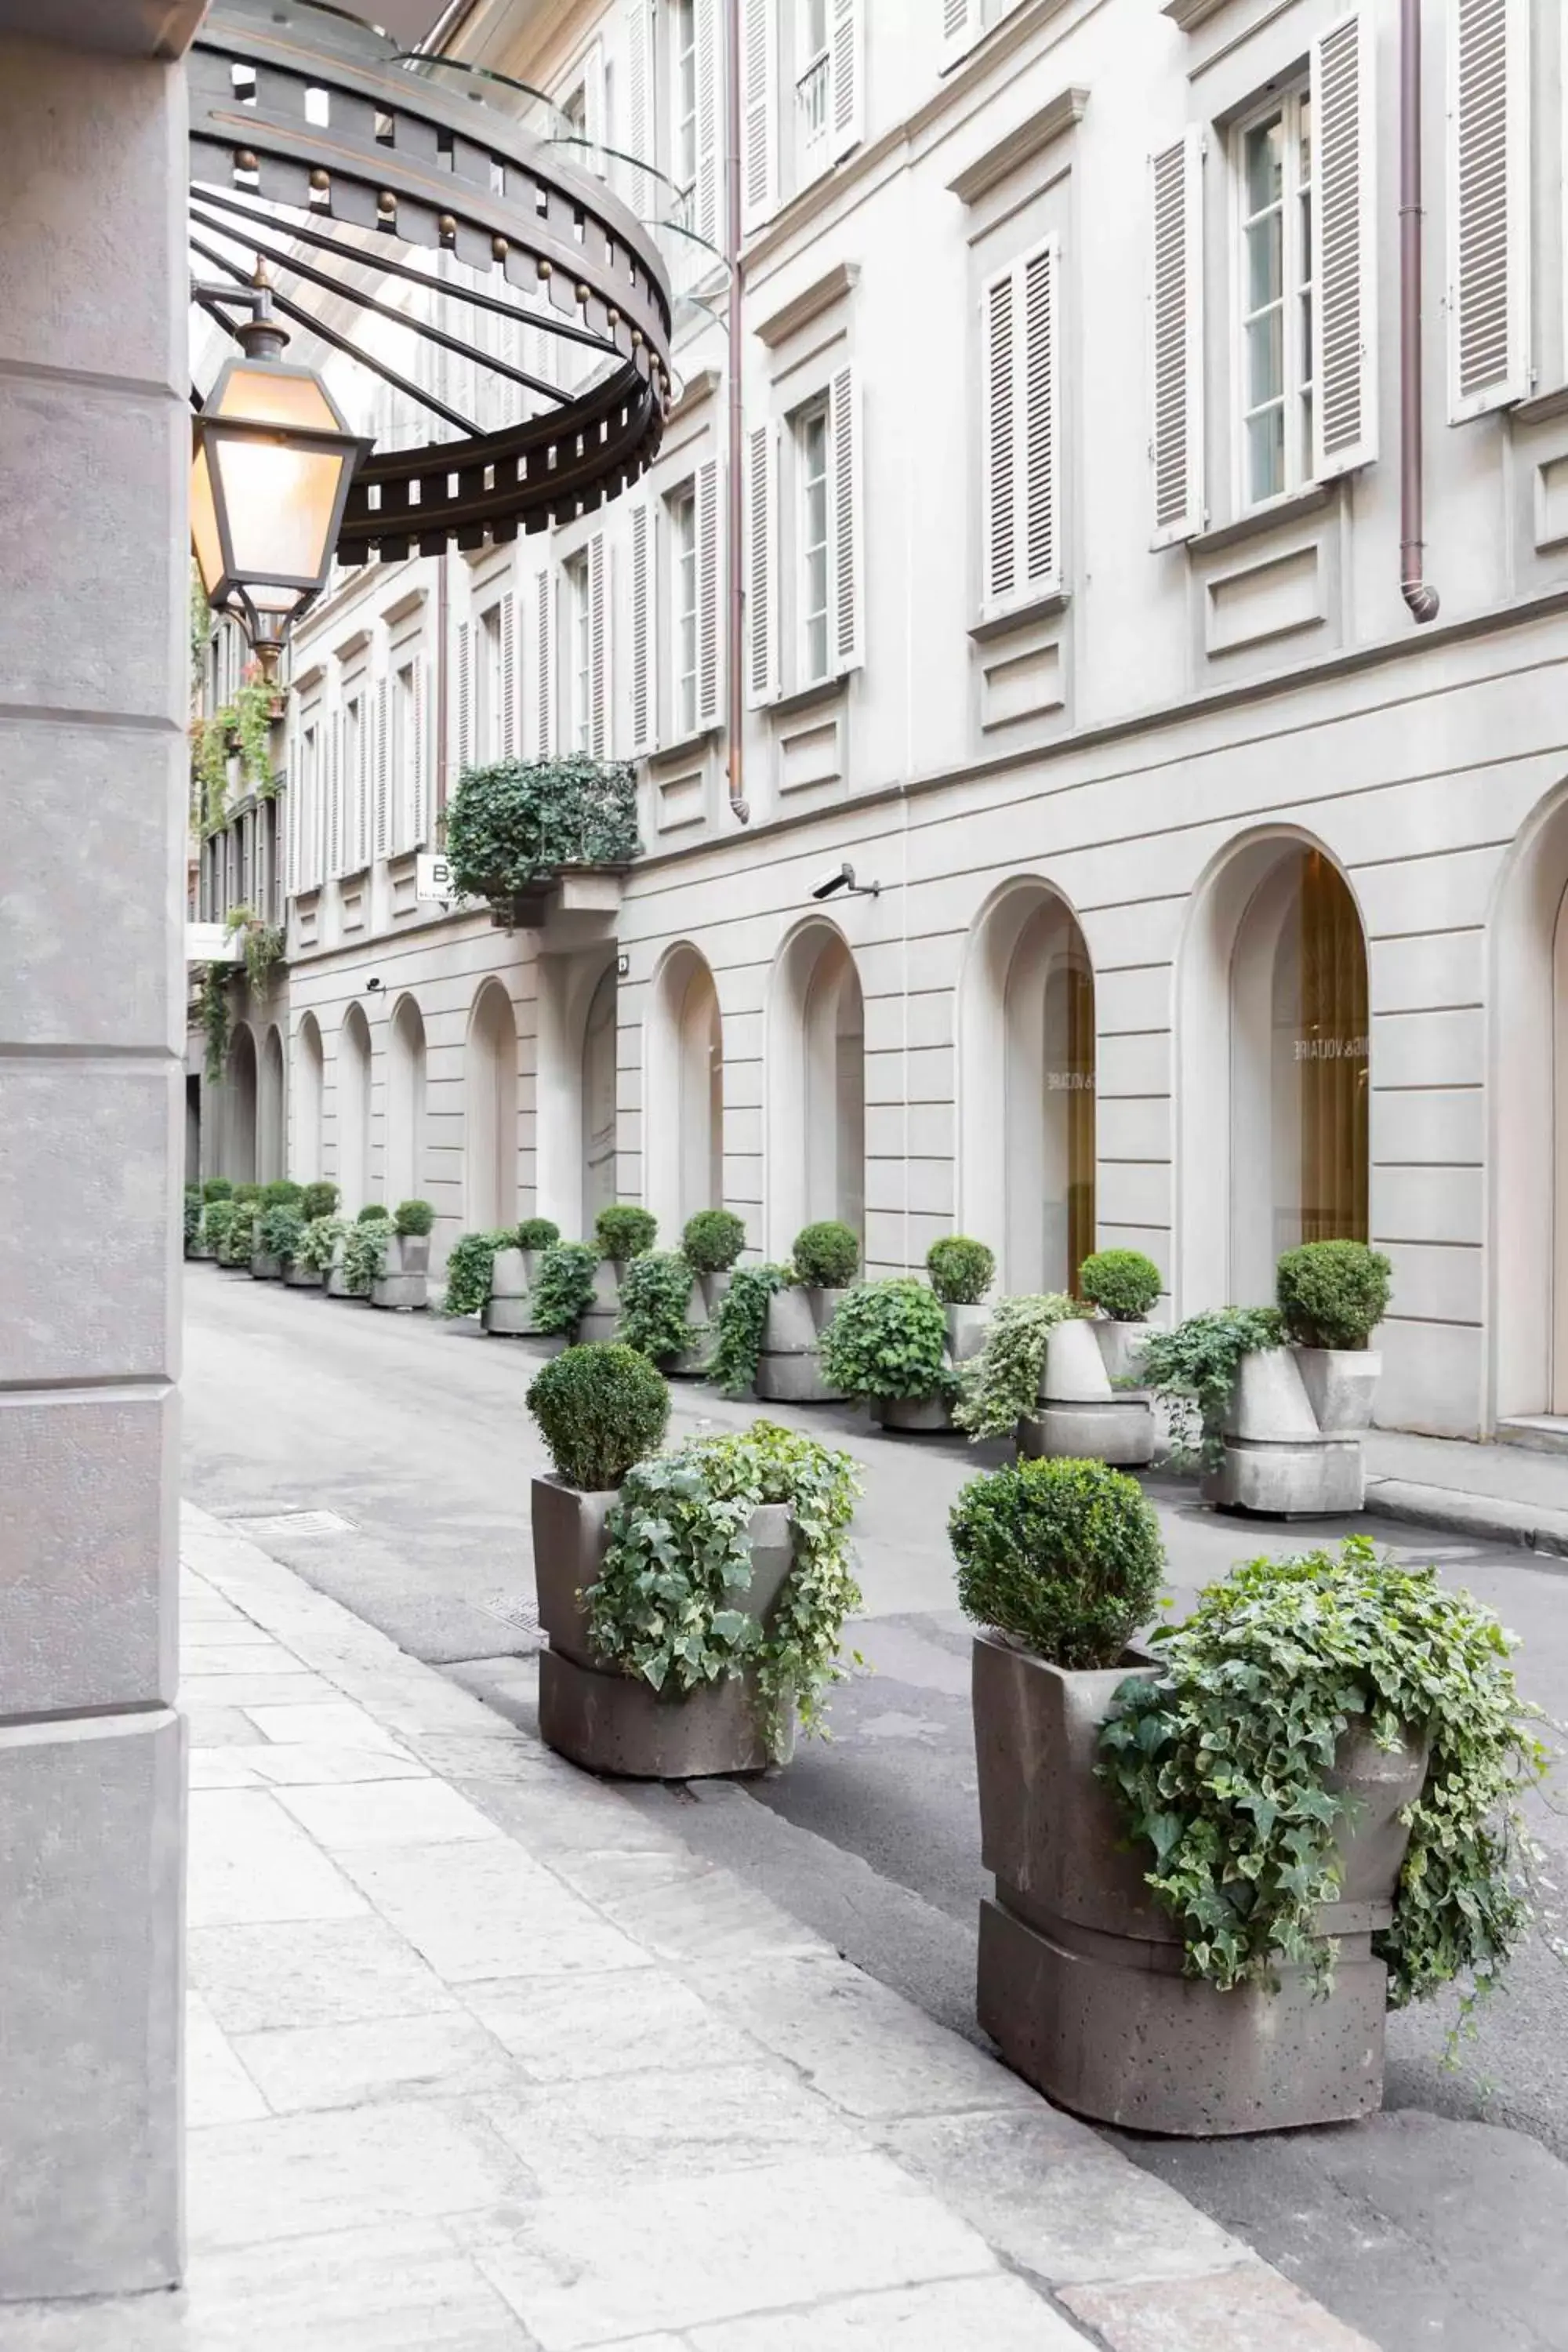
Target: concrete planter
(715,1289)
(1276,1461)
(1120,1347)
(403,1283)
(1081,1416)
(508,1311)
(1080,1979)
(919,1416)
(788,1371)
(302,1277)
(336,1287)
(202,1249)
(600,1321)
(264,1268)
(694,1361)
(608,1722)
(1340,1384)
(966,1330)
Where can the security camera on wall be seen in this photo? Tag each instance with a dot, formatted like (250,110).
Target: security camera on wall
(844,880)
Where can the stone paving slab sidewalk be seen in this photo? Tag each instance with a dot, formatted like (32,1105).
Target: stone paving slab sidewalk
(1500,1494)
(479,2061)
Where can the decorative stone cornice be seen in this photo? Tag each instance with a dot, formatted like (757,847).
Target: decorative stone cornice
(1190,14)
(697,387)
(1029,138)
(819,295)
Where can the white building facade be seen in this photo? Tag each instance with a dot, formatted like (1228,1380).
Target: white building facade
(1218,898)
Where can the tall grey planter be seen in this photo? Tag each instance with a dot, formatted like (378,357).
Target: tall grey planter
(966,1329)
(508,1310)
(264,1269)
(1276,1461)
(1080,1981)
(788,1371)
(694,1359)
(299,1277)
(609,1722)
(403,1282)
(604,1314)
(1081,1416)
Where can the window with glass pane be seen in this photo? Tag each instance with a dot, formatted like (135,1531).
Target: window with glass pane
(579,657)
(811,441)
(1274,170)
(811,87)
(683,607)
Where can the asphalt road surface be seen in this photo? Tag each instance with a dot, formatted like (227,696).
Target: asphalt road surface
(1441,2224)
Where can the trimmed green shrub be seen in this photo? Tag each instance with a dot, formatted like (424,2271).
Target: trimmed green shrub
(280,1232)
(320,1200)
(193,1217)
(887,1339)
(364,1254)
(415,1217)
(825,1256)
(1002,1384)
(961,1271)
(217,1188)
(1221,1766)
(599,1409)
(1333,1294)
(680,1553)
(470,1263)
(282,1194)
(1064,1556)
(239,1243)
(712,1241)
(1122,1283)
(251,1193)
(563,1283)
(217,1219)
(625,1232)
(537,1233)
(1192,1370)
(656,1292)
(373,1213)
(319,1244)
(740,1322)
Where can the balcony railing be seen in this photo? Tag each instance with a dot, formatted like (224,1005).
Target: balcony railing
(811,101)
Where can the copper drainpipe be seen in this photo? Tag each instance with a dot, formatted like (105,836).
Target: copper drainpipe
(443,776)
(1421,598)
(737,585)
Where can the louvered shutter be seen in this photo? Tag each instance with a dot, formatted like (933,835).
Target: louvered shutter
(465,697)
(709,635)
(639,141)
(844,519)
(335,800)
(762,565)
(644,619)
(1019,502)
(419,791)
(544,668)
(383,770)
(960,28)
(599,647)
(759,112)
(1344,247)
(364,780)
(507,730)
(294,779)
(845,77)
(1489,205)
(706,201)
(999,503)
(1176,439)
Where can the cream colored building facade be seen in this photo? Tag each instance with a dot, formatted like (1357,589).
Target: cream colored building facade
(1219,901)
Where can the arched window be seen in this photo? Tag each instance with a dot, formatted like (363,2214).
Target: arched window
(489,1110)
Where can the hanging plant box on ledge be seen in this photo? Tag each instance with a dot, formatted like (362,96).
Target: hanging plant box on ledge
(522,834)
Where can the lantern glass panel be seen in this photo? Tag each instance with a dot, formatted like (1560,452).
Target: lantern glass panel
(204,525)
(269,394)
(278,503)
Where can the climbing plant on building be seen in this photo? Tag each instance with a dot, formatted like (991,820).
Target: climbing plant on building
(514,823)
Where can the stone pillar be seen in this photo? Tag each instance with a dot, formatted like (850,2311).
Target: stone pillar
(94,455)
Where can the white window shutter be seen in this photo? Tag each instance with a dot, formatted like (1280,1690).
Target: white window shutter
(710,590)
(1344,246)
(1489,205)
(1039,377)
(363,781)
(382,774)
(845,76)
(544,668)
(418,782)
(1020,522)
(335,801)
(707,211)
(507,733)
(759,112)
(762,565)
(998,445)
(961,29)
(293,789)
(465,697)
(639,140)
(643,618)
(844,436)
(599,647)
(1176,439)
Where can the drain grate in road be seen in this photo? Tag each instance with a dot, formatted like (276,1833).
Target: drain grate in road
(294,1523)
(512,1608)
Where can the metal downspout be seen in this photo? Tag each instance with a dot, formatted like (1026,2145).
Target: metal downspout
(1421,598)
(737,698)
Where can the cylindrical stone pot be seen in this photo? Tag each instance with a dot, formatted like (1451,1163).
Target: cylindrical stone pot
(715,1289)
(1341,1385)
(788,1370)
(1276,1462)
(614,1723)
(966,1330)
(507,1312)
(694,1361)
(264,1269)
(1121,1347)
(1081,1971)
(604,1314)
(1081,1416)
(918,1416)
(336,1287)
(403,1285)
(299,1277)
(824,1304)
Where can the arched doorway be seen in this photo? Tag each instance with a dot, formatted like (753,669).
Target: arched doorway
(1026,1079)
(1275,1047)
(353,1111)
(406,1103)
(271,1128)
(309,1086)
(489,1111)
(239,1158)
(684,1102)
(817,1087)
(599,1055)
(1527,1060)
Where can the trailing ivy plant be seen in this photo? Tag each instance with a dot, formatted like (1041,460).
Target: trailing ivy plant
(217,1221)
(364,1254)
(679,1560)
(740,1323)
(518,822)
(470,1263)
(214,1021)
(262,943)
(1194,1369)
(1002,1384)
(246,724)
(888,1339)
(655,1294)
(280,1232)
(1220,1765)
(319,1244)
(237,1246)
(564,1284)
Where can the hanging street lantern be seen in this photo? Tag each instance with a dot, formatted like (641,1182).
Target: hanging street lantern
(274,457)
